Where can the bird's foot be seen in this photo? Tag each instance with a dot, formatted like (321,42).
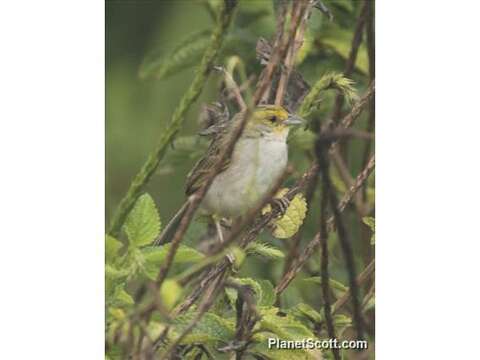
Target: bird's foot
(282,204)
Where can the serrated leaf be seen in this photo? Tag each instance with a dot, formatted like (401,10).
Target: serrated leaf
(342,320)
(268,293)
(263,290)
(238,257)
(285,327)
(253,284)
(288,225)
(305,310)
(265,250)
(113,278)
(334,284)
(120,298)
(142,225)
(112,246)
(273,353)
(155,256)
(328,81)
(186,54)
(210,328)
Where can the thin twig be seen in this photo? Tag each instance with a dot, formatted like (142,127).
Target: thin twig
(308,251)
(370,32)
(233,88)
(277,55)
(352,56)
(196,198)
(204,306)
(301,10)
(361,279)
(343,237)
(324,267)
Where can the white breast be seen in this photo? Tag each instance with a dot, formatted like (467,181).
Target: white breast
(256,165)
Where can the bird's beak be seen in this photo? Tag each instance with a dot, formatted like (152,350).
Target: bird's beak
(294,120)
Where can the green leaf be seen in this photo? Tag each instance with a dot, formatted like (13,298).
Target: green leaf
(306,311)
(340,40)
(334,284)
(210,328)
(112,246)
(113,278)
(169,293)
(265,250)
(155,256)
(263,289)
(268,293)
(253,284)
(285,327)
(186,54)
(370,222)
(142,225)
(120,298)
(273,353)
(288,224)
(328,81)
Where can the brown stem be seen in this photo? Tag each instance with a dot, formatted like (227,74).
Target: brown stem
(324,268)
(343,236)
(308,251)
(352,56)
(361,279)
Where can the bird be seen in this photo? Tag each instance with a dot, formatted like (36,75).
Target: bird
(258,159)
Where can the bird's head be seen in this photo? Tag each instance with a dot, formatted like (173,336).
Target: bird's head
(273,120)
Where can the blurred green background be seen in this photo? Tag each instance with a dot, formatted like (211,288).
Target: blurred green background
(137,109)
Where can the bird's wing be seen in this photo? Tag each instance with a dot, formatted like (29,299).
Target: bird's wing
(220,135)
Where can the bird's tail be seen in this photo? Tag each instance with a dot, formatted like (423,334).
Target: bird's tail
(167,234)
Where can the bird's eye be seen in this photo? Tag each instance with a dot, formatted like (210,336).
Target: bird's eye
(273,119)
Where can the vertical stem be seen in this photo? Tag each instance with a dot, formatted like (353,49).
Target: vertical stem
(324,266)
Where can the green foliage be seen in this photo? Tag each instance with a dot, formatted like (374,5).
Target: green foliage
(263,290)
(338,288)
(340,40)
(142,225)
(370,222)
(155,256)
(329,81)
(145,106)
(112,246)
(303,310)
(211,328)
(186,54)
(170,292)
(264,250)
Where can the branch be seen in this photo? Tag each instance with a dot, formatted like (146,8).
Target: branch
(310,248)
(362,277)
(202,309)
(300,261)
(300,13)
(324,267)
(343,237)
(352,57)
(370,31)
(177,120)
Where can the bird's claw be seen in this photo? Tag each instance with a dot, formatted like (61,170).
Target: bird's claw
(282,203)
